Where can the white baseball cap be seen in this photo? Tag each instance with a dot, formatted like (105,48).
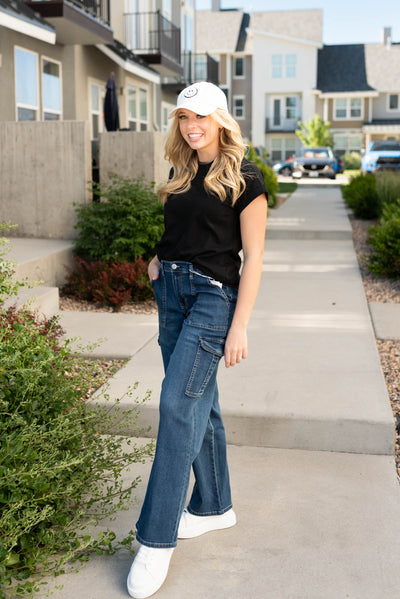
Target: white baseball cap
(202,98)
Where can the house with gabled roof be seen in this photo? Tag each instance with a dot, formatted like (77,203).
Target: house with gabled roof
(358,91)
(285,48)
(268,67)
(223,34)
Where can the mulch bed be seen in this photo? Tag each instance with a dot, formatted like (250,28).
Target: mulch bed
(383,290)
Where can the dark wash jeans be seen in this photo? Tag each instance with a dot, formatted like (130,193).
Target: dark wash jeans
(195,313)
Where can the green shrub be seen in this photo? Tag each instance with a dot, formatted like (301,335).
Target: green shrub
(270,178)
(60,472)
(107,283)
(351,161)
(388,186)
(361,196)
(385,241)
(123,226)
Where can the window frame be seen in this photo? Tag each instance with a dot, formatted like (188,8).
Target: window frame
(235,62)
(50,110)
(348,108)
(241,98)
(277,68)
(22,105)
(100,113)
(141,124)
(289,66)
(389,109)
(145,121)
(130,120)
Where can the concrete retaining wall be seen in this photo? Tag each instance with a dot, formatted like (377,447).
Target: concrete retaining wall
(133,154)
(44,169)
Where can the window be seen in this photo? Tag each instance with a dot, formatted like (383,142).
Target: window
(276,66)
(394,102)
(276,149)
(348,108)
(96,110)
(165,112)
(238,67)
(355,108)
(290,63)
(26,85)
(238,107)
(291,107)
(200,67)
(284,65)
(132,108)
(290,148)
(51,89)
(347,143)
(137,108)
(355,143)
(143,109)
(340,143)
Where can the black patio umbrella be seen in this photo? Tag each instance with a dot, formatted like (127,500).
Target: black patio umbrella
(111,117)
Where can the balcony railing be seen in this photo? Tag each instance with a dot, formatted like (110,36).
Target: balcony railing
(199,67)
(281,124)
(150,33)
(99,9)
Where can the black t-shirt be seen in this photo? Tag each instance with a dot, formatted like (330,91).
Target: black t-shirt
(201,229)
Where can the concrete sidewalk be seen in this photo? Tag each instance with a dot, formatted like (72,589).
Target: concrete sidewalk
(313,379)
(311,525)
(322,523)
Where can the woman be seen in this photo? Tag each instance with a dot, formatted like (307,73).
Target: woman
(215,205)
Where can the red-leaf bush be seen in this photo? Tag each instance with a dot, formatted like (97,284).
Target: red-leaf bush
(108,283)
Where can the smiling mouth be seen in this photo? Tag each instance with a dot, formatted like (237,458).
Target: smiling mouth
(194,136)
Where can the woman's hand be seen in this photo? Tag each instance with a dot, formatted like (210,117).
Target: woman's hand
(154,269)
(235,345)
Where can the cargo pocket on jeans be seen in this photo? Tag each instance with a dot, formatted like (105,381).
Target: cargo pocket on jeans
(209,353)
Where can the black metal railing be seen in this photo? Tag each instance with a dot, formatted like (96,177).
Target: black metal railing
(99,9)
(152,33)
(199,67)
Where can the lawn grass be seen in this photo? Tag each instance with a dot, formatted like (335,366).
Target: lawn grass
(351,172)
(287,187)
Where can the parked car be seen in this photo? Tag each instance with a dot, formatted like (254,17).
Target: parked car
(381,155)
(284,168)
(315,162)
(339,167)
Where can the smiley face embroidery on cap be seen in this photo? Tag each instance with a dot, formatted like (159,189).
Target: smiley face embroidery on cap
(190,92)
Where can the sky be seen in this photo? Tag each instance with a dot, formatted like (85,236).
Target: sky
(344,21)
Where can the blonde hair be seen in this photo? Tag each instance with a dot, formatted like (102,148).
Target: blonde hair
(224,177)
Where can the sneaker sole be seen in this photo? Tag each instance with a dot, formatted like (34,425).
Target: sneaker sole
(202,529)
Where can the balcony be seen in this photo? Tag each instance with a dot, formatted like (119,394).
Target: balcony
(84,22)
(281,125)
(155,39)
(196,67)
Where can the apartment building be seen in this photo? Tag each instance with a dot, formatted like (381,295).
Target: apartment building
(358,91)
(276,71)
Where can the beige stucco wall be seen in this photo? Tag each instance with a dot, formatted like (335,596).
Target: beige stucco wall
(44,169)
(134,154)
(8,40)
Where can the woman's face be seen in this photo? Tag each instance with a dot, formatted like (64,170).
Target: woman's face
(201,133)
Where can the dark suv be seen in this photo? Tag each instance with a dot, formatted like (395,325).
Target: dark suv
(315,162)
(381,155)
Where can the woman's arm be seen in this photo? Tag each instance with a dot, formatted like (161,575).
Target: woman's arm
(252,226)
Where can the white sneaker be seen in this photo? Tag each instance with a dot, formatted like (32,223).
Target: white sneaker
(148,571)
(193,526)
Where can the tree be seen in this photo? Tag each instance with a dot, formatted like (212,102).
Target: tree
(315,132)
